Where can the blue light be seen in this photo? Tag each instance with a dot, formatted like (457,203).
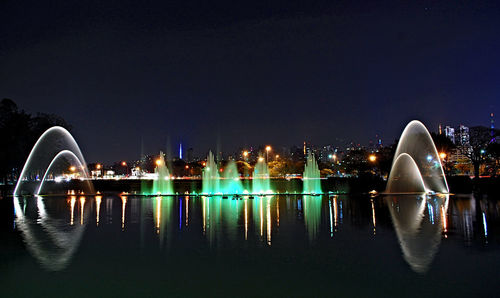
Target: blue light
(429,158)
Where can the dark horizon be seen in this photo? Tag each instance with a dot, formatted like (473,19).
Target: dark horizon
(241,74)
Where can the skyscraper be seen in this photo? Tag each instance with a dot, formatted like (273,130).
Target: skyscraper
(450,133)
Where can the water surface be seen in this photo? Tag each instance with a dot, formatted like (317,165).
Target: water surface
(115,245)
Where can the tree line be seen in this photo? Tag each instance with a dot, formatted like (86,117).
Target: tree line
(19,131)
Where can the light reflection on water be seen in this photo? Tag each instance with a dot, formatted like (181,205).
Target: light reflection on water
(418,224)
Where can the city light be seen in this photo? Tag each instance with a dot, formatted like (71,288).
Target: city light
(442,155)
(72,168)
(98,166)
(158,162)
(124,163)
(261,159)
(372,157)
(187,167)
(268,148)
(245,153)
(277,156)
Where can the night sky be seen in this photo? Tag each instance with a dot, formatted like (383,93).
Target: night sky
(248,72)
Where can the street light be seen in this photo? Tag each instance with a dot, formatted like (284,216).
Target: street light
(72,168)
(124,163)
(268,148)
(442,155)
(372,157)
(245,155)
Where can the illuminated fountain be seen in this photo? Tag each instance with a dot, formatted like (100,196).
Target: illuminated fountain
(53,146)
(231,183)
(162,184)
(260,180)
(416,167)
(311,177)
(419,222)
(210,176)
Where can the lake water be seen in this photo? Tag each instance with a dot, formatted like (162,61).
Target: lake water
(357,246)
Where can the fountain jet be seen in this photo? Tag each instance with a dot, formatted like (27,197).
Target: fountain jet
(417,166)
(54,143)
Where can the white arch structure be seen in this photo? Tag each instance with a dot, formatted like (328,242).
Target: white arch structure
(416,152)
(52,145)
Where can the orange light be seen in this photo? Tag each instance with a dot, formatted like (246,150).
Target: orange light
(245,153)
(261,159)
(187,167)
(72,168)
(124,163)
(98,166)
(277,156)
(442,155)
(372,157)
(158,162)
(268,148)
(204,163)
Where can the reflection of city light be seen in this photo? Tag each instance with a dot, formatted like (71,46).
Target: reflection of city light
(246,219)
(124,205)
(158,214)
(443,219)
(268,219)
(373,218)
(82,202)
(72,204)
(429,157)
(98,208)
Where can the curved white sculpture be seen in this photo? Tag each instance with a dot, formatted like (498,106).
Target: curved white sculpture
(52,144)
(416,152)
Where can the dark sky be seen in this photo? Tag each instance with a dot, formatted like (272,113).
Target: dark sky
(248,72)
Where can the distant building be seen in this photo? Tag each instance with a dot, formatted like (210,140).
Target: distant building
(449,132)
(462,136)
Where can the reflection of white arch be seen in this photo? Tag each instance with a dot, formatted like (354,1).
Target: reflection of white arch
(418,236)
(416,141)
(64,243)
(53,141)
(59,155)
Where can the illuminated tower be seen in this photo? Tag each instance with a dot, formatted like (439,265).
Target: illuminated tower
(180,150)
(492,126)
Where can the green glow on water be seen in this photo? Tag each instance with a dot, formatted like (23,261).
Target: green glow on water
(312,177)
(312,214)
